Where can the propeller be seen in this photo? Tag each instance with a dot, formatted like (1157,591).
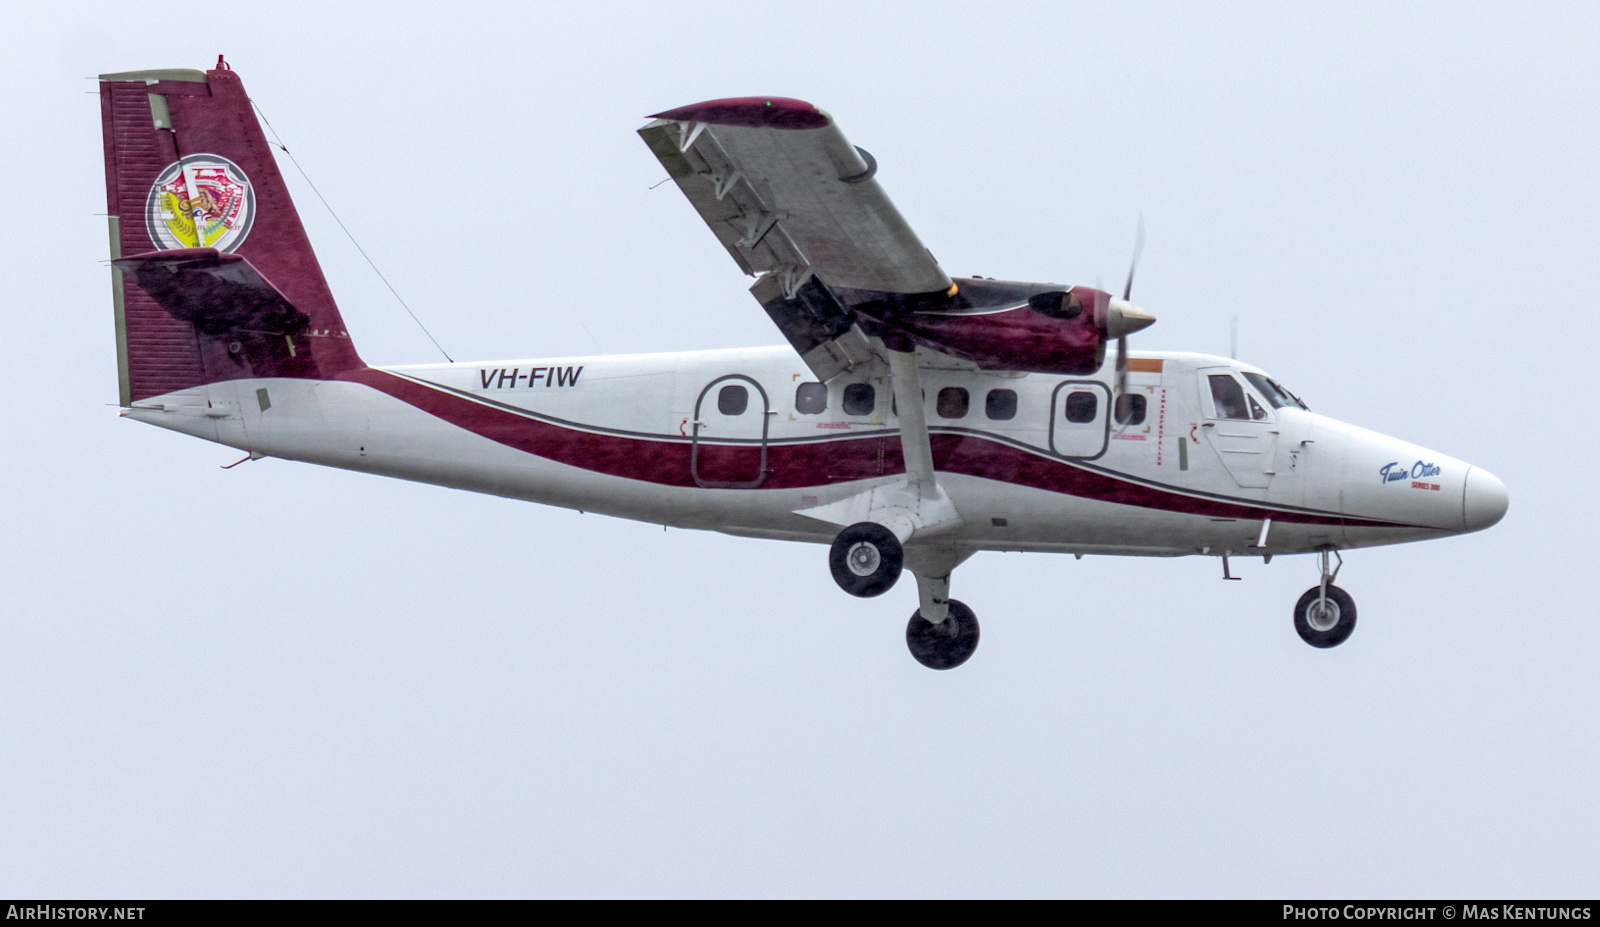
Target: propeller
(1115,318)
(1127,318)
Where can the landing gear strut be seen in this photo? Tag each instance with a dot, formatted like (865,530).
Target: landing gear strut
(1326,615)
(866,559)
(945,645)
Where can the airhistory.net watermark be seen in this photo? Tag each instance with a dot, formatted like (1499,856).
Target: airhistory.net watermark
(50,912)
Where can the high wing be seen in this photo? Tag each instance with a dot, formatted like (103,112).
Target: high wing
(799,206)
(794,202)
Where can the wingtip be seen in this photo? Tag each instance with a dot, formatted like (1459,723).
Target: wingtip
(751,112)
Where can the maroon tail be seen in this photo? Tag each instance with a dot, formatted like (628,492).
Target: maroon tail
(215,277)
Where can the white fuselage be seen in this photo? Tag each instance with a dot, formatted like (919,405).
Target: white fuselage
(653,438)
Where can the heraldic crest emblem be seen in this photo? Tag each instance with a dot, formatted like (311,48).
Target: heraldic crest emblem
(200,201)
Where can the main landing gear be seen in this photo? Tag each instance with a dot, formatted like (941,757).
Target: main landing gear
(1326,615)
(945,645)
(866,560)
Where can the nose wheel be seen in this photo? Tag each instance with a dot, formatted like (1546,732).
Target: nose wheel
(945,645)
(1325,623)
(1326,615)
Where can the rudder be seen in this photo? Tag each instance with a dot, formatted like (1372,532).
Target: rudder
(189,173)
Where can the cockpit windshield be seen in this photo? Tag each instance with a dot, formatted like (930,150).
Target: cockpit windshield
(1274,393)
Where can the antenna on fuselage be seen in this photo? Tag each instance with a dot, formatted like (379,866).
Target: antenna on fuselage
(1233,337)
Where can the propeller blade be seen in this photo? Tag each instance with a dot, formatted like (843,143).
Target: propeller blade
(1122,365)
(1138,249)
(1127,293)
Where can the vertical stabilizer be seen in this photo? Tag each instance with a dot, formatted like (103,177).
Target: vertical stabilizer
(191,187)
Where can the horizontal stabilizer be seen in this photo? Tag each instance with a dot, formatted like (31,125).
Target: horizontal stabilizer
(216,292)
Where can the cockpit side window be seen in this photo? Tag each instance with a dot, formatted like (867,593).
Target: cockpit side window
(1228,397)
(1275,394)
(1256,412)
(1274,398)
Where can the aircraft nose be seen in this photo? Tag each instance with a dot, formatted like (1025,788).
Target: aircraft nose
(1484,501)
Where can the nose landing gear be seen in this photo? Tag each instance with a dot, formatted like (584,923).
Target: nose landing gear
(1326,615)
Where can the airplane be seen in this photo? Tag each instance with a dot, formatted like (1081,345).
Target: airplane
(912,420)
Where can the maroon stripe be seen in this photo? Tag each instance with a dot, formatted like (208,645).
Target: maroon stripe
(820,463)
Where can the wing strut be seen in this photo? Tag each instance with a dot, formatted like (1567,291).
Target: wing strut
(916,505)
(914,441)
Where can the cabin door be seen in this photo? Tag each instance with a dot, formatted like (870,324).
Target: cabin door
(1080,417)
(1241,428)
(729,449)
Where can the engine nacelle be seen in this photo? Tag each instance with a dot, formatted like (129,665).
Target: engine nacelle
(1061,331)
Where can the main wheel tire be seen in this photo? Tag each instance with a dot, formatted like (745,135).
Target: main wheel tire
(945,645)
(1328,628)
(865,559)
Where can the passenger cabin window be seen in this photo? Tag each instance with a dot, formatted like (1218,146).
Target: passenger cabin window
(859,399)
(733,399)
(1001,404)
(1131,409)
(952,402)
(1228,397)
(811,399)
(1081,407)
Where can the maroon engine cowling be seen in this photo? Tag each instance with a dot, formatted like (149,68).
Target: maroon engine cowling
(1058,331)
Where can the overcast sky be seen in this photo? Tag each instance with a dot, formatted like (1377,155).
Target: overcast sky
(280,680)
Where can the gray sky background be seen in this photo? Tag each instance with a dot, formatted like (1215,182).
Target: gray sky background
(284,680)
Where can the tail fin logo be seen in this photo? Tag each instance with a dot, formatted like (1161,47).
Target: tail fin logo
(200,201)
